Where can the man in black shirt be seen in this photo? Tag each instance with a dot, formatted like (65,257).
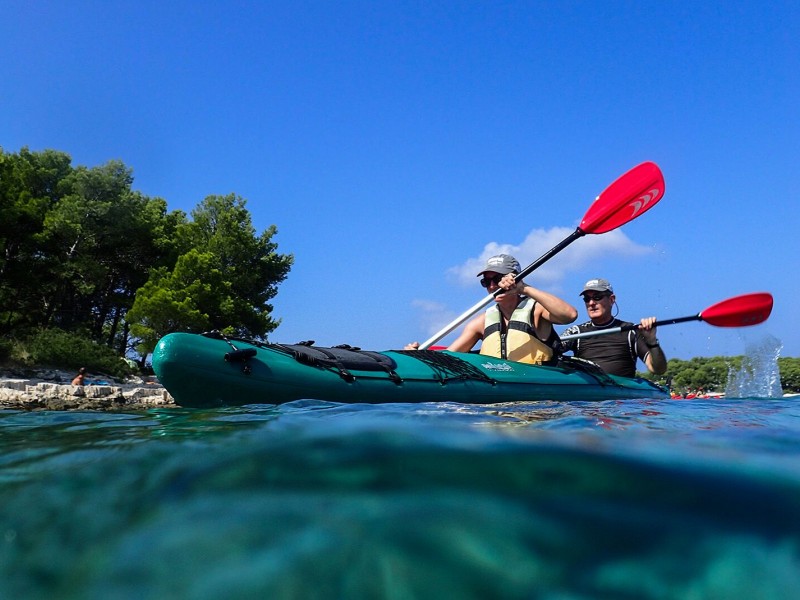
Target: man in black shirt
(615,353)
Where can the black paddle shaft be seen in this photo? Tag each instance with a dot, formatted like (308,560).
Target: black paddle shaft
(665,322)
(578,233)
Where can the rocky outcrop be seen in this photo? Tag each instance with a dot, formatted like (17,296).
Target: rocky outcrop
(41,394)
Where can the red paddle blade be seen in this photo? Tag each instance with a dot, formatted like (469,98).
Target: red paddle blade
(631,195)
(740,311)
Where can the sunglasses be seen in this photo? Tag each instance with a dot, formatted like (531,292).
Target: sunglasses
(588,298)
(487,281)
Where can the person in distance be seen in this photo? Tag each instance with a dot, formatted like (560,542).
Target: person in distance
(80,378)
(519,326)
(616,353)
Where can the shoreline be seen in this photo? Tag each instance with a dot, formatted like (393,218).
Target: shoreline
(45,389)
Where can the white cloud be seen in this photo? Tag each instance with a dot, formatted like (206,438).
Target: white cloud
(433,315)
(580,254)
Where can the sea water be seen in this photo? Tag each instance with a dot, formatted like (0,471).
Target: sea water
(569,500)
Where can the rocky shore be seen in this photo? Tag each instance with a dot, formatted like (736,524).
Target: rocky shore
(52,390)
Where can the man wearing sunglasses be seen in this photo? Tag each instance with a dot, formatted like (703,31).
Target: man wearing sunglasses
(519,326)
(616,353)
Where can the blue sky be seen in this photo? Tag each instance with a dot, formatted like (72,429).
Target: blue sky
(396,144)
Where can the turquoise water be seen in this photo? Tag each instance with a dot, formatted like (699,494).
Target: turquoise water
(615,499)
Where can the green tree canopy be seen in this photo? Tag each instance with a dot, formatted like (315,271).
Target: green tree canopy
(223,278)
(79,249)
(30,185)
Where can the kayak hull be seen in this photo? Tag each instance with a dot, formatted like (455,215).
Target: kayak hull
(202,371)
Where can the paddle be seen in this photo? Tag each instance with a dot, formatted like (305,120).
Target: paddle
(630,196)
(739,311)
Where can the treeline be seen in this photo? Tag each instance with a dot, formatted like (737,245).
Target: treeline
(83,253)
(712,374)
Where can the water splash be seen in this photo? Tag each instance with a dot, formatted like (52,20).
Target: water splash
(759,376)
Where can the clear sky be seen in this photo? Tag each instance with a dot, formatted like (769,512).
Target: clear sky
(397,144)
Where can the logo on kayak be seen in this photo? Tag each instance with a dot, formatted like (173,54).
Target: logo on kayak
(497,366)
(642,201)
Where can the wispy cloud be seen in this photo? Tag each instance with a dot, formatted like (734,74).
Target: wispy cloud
(583,253)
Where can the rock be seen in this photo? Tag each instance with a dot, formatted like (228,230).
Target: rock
(34,394)
(100,391)
(14,384)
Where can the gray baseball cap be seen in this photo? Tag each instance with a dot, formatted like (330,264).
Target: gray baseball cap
(597,285)
(502,263)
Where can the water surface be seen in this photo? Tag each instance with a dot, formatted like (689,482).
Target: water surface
(614,499)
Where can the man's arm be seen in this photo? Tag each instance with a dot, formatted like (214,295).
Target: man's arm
(554,308)
(655,360)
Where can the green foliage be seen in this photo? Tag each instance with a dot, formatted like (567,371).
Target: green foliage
(30,185)
(222,280)
(52,347)
(6,349)
(790,374)
(169,302)
(79,249)
(76,244)
(102,240)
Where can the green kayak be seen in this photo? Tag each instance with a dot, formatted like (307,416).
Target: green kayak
(203,370)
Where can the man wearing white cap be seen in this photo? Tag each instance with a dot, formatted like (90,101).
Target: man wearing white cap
(616,353)
(519,326)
